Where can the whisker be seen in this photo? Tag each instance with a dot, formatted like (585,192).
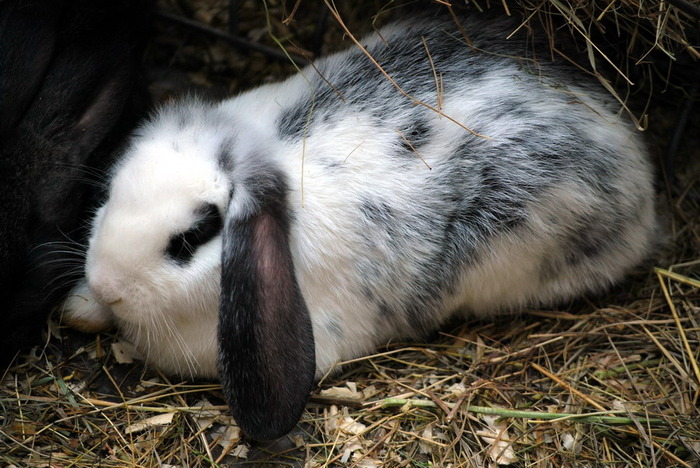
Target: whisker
(89,175)
(69,245)
(68,262)
(191,363)
(73,255)
(65,279)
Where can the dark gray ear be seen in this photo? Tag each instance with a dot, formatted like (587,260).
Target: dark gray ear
(266,344)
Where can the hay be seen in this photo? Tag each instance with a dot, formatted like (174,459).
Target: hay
(633,47)
(612,380)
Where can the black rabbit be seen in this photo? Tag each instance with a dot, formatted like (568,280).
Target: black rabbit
(71,87)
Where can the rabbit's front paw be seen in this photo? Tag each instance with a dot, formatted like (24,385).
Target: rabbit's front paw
(84,313)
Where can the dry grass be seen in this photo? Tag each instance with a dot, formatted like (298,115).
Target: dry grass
(613,382)
(607,381)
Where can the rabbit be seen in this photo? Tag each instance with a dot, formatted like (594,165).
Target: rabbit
(70,90)
(265,238)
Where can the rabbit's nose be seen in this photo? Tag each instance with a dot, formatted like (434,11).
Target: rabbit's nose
(105,289)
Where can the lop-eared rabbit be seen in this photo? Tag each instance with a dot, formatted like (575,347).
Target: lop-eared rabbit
(264,238)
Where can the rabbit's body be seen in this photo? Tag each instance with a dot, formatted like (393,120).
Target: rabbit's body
(372,215)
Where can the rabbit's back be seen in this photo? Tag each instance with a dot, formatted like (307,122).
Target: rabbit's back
(478,178)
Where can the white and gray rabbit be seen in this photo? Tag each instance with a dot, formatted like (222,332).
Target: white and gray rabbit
(267,237)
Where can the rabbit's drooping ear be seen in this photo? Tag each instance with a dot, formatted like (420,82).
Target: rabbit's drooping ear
(266,345)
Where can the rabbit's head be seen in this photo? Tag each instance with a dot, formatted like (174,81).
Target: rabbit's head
(185,192)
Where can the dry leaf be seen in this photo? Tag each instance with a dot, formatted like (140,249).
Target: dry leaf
(342,423)
(350,392)
(229,436)
(480,349)
(341,393)
(158,420)
(150,382)
(313,463)
(365,462)
(496,435)
(241,451)
(77,387)
(369,392)
(457,390)
(424,443)
(626,406)
(144,384)
(125,353)
(298,441)
(346,456)
(571,443)
(205,417)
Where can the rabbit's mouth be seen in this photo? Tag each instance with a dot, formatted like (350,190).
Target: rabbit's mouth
(105,292)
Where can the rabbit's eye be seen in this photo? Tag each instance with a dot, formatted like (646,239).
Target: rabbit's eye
(182,246)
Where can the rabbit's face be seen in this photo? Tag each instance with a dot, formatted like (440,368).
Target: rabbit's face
(154,255)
